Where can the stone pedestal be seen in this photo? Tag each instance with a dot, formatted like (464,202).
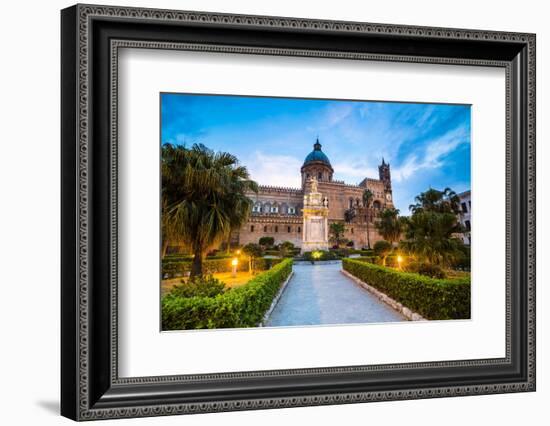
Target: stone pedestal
(315,213)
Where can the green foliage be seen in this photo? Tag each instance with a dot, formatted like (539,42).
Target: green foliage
(430,237)
(207,286)
(369,259)
(427,269)
(286,248)
(349,215)
(390,225)
(382,248)
(210,266)
(319,255)
(267,241)
(431,298)
(253,251)
(432,200)
(204,197)
(235,308)
(215,266)
(336,233)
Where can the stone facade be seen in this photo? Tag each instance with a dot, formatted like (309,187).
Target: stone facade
(279,212)
(465,216)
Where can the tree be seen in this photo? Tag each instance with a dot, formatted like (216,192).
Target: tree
(382,248)
(253,251)
(349,215)
(367,199)
(390,225)
(432,225)
(204,197)
(266,241)
(285,248)
(430,237)
(432,200)
(337,233)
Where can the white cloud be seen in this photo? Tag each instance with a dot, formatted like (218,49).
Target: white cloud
(274,170)
(434,155)
(337,113)
(354,171)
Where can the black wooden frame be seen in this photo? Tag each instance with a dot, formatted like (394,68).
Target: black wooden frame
(90,387)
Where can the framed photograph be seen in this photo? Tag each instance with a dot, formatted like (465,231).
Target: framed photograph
(263,212)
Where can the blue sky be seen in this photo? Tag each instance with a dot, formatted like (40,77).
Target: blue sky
(427,145)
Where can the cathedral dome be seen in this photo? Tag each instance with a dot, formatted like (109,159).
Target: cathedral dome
(316,155)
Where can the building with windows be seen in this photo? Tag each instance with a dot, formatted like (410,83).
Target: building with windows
(465,216)
(303,215)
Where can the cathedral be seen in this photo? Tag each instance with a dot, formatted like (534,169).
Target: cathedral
(303,215)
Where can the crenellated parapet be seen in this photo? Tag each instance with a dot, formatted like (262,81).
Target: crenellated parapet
(280,189)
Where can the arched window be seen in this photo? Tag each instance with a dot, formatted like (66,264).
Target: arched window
(376,204)
(265,228)
(320,176)
(291,210)
(351,203)
(299,229)
(251,228)
(257,208)
(276,228)
(267,207)
(275,208)
(289,229)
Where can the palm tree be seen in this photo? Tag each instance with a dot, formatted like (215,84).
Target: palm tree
(446,201)
(430,237)
(337,233)
(204,197)
(390,225)
(367,198)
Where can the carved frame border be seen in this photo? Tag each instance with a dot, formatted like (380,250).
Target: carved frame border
(85,13)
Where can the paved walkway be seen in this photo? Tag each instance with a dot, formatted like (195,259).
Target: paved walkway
(321,294)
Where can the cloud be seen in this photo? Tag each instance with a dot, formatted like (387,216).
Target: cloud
(354,170)
(274,170)
(434,155)
(336,113)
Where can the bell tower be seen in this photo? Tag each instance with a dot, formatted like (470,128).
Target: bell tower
(384,173)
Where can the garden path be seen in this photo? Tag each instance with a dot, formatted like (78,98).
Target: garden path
(321,294)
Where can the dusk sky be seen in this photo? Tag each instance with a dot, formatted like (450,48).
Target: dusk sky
(427,145)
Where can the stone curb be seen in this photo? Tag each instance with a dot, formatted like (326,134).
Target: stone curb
(406,312)
(275,300)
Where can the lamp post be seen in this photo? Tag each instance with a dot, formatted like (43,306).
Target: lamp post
(234,264)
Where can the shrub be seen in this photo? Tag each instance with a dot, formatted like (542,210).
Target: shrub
(431,298)
(427,269)
(382,248)
(215,266)
(199,286)
(266,241)
(238,307)
(210,266)
(319,255)
(369,259)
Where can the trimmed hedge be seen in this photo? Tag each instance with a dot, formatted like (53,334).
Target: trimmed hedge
(323,255)
(431,298)
(214,266)
(238,307)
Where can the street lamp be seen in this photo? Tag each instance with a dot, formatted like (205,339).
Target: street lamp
(234,264)
(399,260)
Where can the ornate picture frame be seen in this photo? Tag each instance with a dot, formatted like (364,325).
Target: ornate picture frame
(90,39)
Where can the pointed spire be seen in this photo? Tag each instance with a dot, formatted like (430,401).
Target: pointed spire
(383,162)
(317,145)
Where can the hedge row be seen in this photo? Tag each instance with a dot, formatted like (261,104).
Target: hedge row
(431,298)
(238,307)
(214,266)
